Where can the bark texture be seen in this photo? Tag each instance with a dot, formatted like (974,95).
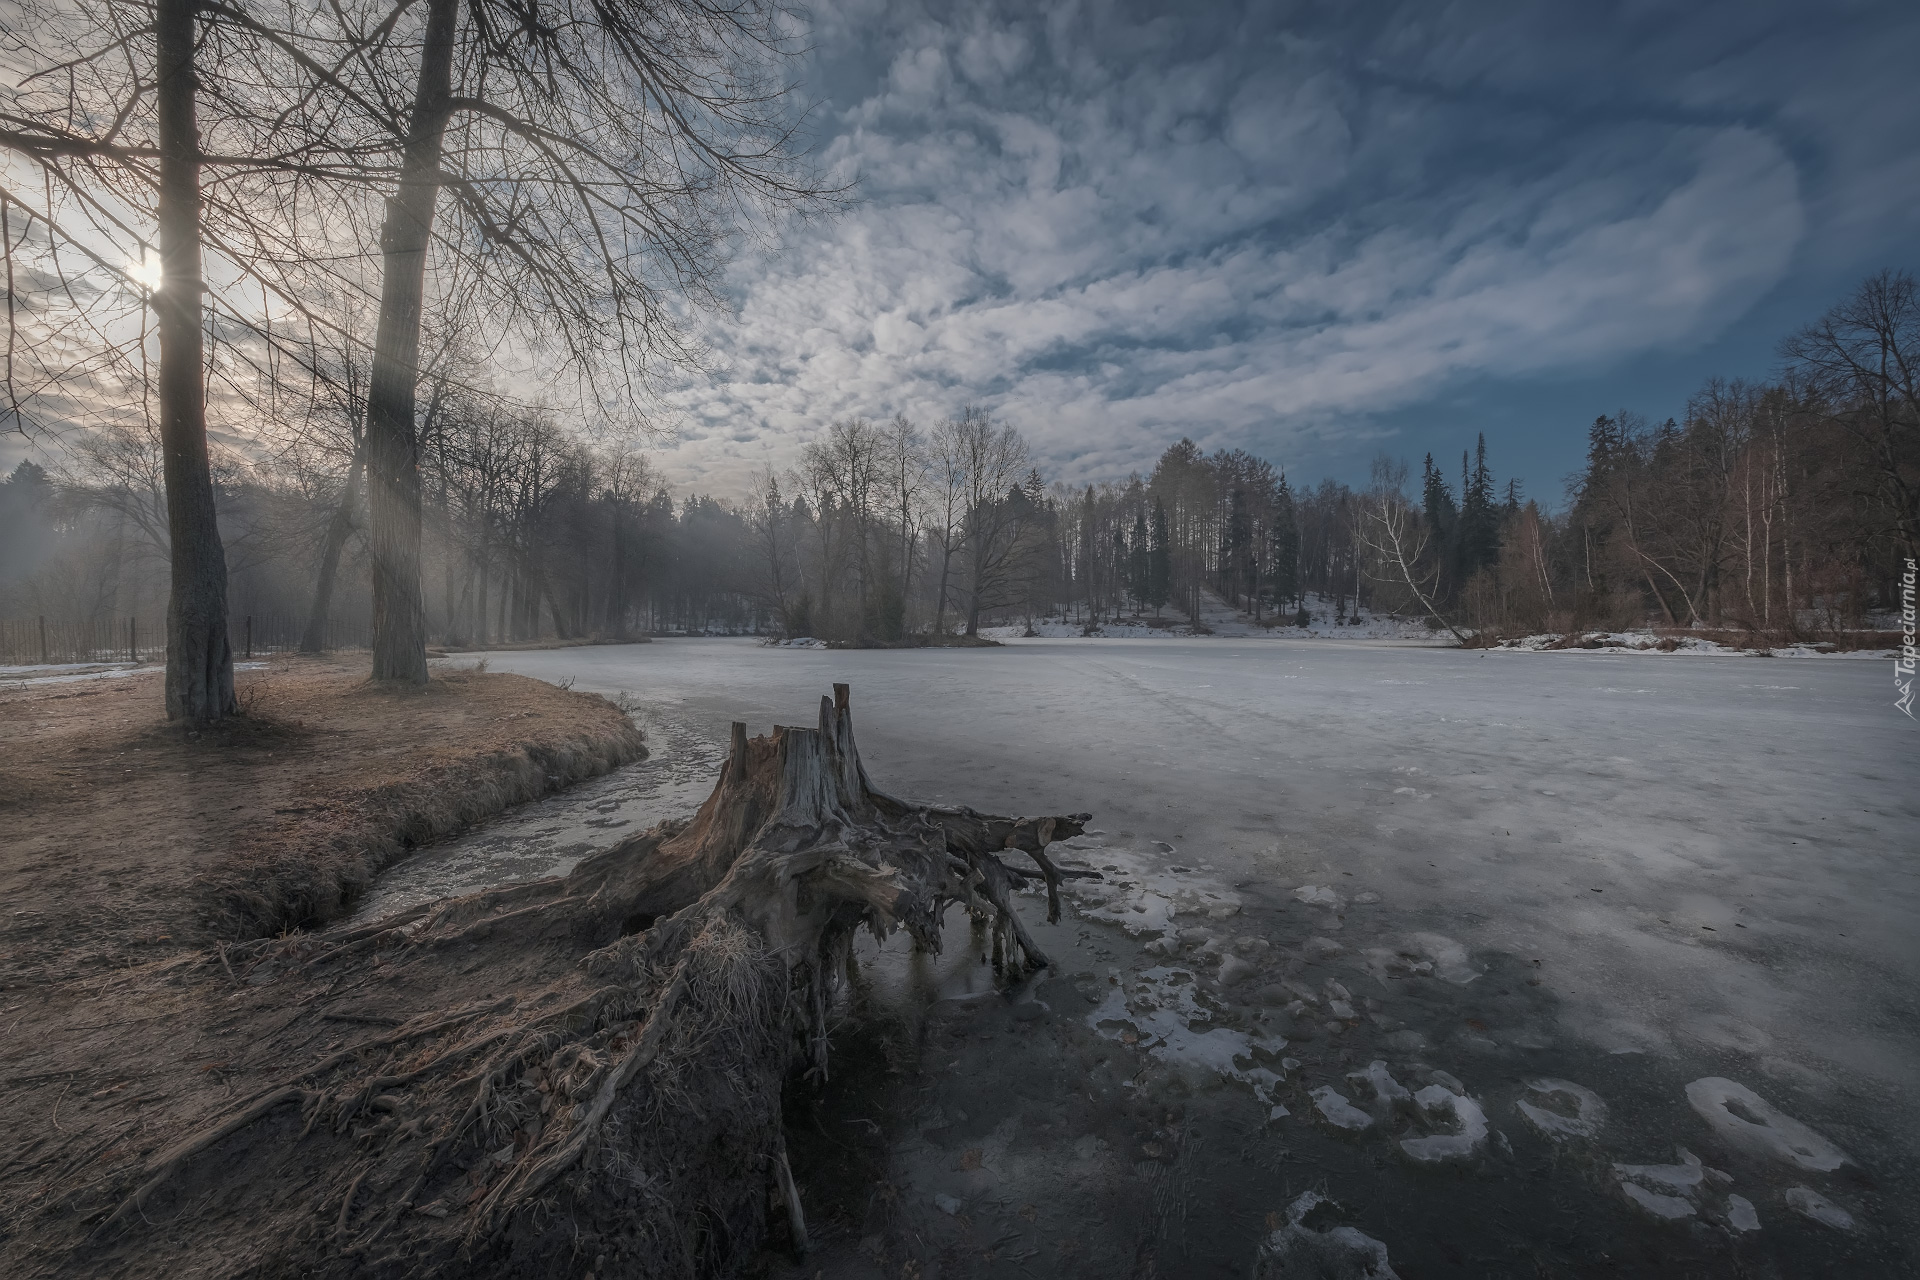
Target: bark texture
(338,527)
(393,451)
(601,1087)
(199,687)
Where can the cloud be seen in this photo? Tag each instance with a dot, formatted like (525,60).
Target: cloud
(1113,231)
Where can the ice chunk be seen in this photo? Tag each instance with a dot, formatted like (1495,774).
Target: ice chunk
(1449,958)
(1683,1179)
(1552,1123)
(1439,1105)
(1338,1112)
(1740,1214)
(1233,970)
(1298,1251)
(1809,1203)
(1278,1112)
(946,1204)
(1378,1081)
(1661,1208)
(1319,895)
(1745,1120)
(1341,1010)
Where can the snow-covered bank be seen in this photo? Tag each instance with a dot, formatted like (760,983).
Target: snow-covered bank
(1650,642)
(1326,621)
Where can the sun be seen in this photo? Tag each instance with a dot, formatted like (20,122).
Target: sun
(145,273)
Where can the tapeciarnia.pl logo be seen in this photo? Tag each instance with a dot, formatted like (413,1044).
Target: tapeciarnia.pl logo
(1903,665)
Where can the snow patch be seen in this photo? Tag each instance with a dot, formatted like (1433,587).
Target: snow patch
(1159,1011)
(1440,1105)
(1809,1203)
(1746,1121)
(1338,1112)
(1550,1118)
(1298,1250)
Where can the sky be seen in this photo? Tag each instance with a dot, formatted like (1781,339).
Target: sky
(1313,231)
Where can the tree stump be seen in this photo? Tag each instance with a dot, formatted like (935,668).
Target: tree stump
(585,1072)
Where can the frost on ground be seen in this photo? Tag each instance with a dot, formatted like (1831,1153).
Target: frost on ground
(76,672)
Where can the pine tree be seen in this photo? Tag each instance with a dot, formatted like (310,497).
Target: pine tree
(1437,500)
(1283,537)
(1159,560)
(1479,541)
(1237,569)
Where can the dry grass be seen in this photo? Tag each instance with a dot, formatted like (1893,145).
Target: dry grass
(127,839)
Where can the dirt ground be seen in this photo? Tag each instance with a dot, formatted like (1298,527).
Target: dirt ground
(124,836)
(126,846)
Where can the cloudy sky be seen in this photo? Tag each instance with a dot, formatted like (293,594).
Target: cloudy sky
(1314,231)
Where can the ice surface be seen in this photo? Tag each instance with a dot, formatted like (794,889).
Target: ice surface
(1142,892)
(1746,1121)
(1661,1207)
(1338,1112)
(1551,1121)
(1439,1105)
(1318,895)
(1811,1204)
(1298,1251)
(1281,767)
(1755,911)
(1379,1082)
(1741,1215)
(1159,1009)
(1683,1179)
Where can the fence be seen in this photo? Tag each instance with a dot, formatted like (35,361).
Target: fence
(27,641)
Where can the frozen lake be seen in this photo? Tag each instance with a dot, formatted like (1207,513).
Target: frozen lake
(1630,872)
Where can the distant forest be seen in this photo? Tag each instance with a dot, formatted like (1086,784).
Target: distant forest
(1785,507)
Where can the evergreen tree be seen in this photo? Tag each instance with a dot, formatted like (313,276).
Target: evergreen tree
(1283,536)
(1437,500)
(1159,560)
(1479,540)
(1238,572)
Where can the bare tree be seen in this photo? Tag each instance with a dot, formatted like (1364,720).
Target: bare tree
(947,507)
(109,177)
(1395,533)
(1860,364)
(904,458)
(993,459)
(604,155)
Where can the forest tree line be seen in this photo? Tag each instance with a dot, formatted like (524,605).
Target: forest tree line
(1787,507)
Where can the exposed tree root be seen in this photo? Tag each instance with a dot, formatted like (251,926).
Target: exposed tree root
(614,1093)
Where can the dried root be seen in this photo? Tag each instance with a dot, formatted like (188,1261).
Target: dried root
(656,1001)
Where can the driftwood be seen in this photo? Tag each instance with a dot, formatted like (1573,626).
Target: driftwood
(606,1095)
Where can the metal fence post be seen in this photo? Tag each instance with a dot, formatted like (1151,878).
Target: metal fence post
(43,640)
(133,640)
(249,635)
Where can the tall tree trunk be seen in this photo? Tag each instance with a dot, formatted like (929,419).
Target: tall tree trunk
(199,686)
(393,462)
(940,600)
(315,639)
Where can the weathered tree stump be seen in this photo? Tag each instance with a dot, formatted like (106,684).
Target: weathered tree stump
(581,1073)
